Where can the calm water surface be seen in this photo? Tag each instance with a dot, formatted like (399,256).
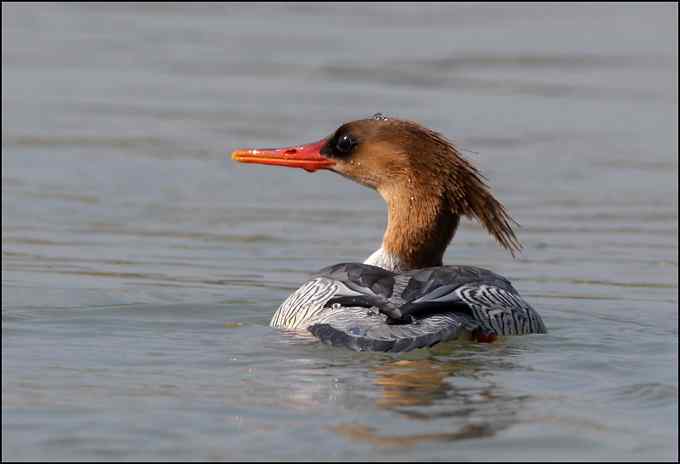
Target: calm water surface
(140,266)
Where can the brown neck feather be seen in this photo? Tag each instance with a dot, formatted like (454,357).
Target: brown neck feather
(429,197)
(418,229)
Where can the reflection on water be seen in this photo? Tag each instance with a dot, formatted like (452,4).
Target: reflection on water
(413,383)
(369,435)
(407,384)
(453,390)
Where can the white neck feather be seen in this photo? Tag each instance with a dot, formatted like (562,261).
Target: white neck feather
(385,260)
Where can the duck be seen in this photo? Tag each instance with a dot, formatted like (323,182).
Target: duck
(402,297)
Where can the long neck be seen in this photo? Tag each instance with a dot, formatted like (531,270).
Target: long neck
(418,231)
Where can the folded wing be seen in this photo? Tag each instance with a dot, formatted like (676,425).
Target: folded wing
(364,307)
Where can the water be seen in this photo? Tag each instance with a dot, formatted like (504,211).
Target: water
(140,266)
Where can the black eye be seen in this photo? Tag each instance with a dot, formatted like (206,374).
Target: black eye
(345,144)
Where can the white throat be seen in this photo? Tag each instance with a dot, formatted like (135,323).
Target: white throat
(385,260)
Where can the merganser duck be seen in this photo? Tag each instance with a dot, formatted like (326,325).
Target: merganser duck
(402,297)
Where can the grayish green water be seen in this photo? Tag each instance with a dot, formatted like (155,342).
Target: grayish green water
(140,266)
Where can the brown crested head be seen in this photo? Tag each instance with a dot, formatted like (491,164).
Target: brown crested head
(401,158)
(424,179)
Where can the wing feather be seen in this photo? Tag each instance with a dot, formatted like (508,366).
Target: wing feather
(367,308)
